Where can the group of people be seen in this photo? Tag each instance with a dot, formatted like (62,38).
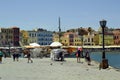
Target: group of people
(16,55)
(79,54)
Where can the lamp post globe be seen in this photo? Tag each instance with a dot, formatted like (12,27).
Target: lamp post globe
(103,23)
(104,60)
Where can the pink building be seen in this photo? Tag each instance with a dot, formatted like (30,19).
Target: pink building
(116,36)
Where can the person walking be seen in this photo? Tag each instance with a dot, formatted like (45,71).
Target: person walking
(87,57)
(61,56)
(29,56)
(1,55)
(78,55)
(15,55)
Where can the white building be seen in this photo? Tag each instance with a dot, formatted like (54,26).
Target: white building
(88,39)
(42,37)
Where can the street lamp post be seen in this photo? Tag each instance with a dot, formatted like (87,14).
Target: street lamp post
(104,60)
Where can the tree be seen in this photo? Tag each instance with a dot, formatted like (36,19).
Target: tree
(82,31)
(90,30)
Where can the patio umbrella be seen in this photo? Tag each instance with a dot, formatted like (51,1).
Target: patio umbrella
(34,45)
(55,44)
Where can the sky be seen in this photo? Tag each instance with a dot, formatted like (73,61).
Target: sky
(31,14)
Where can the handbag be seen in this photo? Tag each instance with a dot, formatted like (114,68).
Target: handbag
(76,54)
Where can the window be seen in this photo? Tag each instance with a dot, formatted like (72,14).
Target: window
(71,36)
(65,40)
(88,39)
(92,39)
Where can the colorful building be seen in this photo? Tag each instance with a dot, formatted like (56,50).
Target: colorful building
(116,37)
(71,39)
(88,39)
(24,38)
(42,37)
(78,40)
(55,37)
(96,38)
(32,38)
(9,36)
(108,39)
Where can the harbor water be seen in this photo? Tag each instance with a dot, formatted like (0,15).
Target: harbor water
(113,58)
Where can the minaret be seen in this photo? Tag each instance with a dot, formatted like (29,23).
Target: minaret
(59,30)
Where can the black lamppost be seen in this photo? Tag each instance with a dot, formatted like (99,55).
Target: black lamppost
(104,60)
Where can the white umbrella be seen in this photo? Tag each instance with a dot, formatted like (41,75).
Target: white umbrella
(55,44)
(34,44)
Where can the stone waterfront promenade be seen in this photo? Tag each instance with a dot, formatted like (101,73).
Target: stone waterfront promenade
(45,69)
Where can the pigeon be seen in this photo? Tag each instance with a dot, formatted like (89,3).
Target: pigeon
(51,63)
(61,63)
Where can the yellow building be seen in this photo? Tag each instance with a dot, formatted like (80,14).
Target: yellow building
(65,41)
(55,37)
(77,41)
(24,37)
(88,39)
(108,39)
(71,39)
(96,39)
(32,37)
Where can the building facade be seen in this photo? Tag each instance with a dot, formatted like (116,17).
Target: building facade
(116,34)
(32,37)
(24,38)
(9,36)
(71,39)
(108,39)
(44,37)
(88,39)
(56,37)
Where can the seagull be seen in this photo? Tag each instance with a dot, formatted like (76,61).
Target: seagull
(51,63)
(61,63)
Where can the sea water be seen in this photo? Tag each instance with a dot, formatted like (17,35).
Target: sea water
(113,58)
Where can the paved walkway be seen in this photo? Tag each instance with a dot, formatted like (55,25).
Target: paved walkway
(45,69)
